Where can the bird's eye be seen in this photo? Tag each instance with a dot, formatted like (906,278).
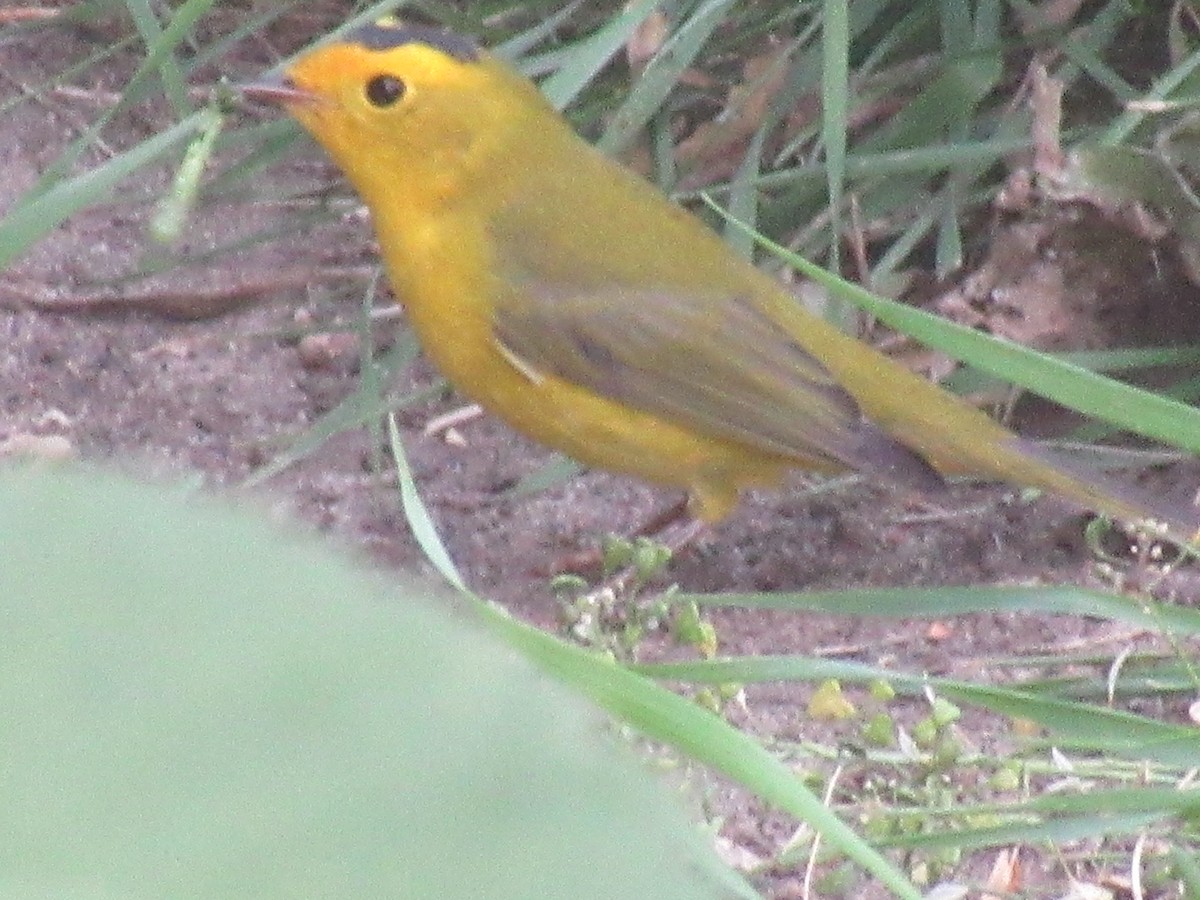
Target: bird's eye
(384,90)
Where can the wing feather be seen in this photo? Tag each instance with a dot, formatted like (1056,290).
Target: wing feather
(718,366)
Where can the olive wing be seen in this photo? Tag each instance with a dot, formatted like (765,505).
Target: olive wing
(720,367)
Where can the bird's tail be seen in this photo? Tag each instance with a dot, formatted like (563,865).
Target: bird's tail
(1026,462)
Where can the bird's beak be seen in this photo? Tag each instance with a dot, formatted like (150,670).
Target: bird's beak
(277,90)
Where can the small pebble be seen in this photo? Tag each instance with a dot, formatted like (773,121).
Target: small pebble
(327,351)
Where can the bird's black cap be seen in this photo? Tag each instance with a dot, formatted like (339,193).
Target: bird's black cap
(383,36)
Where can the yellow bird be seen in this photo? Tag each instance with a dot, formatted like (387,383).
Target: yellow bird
(572,299)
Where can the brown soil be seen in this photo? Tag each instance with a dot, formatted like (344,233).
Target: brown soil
(219,397)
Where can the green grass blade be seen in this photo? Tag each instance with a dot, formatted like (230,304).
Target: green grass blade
(835,112)
(558,470)
(677,53)
(1187,869)
(680,723)
(33,220)
(417,513)
(591,55)
(1102,398)
(1056,831)
(1074,725)
(942,602)
(152,33)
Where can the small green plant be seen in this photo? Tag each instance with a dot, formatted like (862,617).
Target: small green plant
(622,612)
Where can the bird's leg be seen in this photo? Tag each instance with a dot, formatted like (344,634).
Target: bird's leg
(662,520)
(674,537)
(587,562)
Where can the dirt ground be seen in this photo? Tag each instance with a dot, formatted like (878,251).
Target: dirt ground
(215,399)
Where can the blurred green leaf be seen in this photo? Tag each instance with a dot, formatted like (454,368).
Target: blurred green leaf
(198,705)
